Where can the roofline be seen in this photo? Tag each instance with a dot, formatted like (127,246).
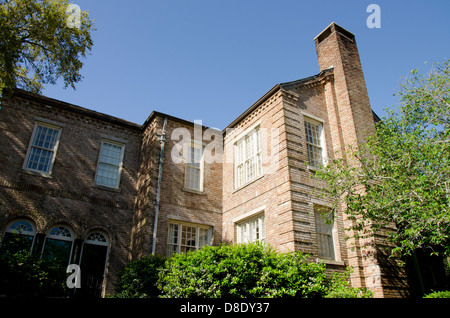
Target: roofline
(73,108)
(155,114)
(17,92)
(272,91)
(260,101)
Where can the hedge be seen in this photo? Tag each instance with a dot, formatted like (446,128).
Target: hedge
(251,270)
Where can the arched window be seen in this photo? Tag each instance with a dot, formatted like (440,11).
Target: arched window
(22,227)
(97,238)
(93,263)
(58,244)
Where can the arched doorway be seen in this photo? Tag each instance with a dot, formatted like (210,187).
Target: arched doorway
(94,254)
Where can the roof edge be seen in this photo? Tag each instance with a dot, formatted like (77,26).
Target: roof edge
(272,91)
(17,92)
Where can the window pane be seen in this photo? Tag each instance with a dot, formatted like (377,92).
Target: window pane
(188,234)
(193,178)
(252,230)
(313,141)
(324,236)
(109,165)
(203,237)
(193,168)
(58,250)
(184,238)
(42,149)
(248,158)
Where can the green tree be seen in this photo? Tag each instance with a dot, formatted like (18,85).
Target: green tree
(40,42)
(399,181)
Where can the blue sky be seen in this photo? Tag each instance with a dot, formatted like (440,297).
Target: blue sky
(210,60)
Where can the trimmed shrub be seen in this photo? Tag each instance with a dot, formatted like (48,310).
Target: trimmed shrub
(244,270)
(138,278)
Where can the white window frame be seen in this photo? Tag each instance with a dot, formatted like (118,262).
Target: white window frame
(245,227)
(331,253)
(31,146)
(18,229)
(120,166)
(320,146)
(248,167)
(178,246)
(189,165)
(70,238)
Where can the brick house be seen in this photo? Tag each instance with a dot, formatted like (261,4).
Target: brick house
(100,191)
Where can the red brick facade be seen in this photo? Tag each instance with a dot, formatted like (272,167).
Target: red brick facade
(258,185)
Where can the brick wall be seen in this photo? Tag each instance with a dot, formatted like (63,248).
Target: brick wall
(69,196)
(177,203)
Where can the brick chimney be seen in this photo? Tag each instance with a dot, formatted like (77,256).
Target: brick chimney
(336,48)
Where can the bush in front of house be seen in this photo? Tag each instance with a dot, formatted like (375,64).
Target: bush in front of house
(242,270)
(251,270)
(138,279)
(23,274)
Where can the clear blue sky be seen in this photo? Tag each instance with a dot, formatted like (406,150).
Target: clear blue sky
(212,59)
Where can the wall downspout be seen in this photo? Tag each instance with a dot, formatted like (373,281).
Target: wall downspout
(162,140)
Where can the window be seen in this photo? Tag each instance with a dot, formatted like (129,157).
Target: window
(58,245)
(21,227)
(109,164)
(187,237)
(194,168)
(42,149)
(314,142)
(247,160)
(251,230)
(324,229)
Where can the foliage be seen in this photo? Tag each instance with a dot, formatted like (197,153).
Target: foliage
(438,294)
(38,46)
(243,270)
(25,275)
(138,279)
(340,287)
(400,179)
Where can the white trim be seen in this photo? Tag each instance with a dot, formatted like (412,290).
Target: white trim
(30,145)
(27,233)
(119,172)
(320,120)
(248,215)
(98,244)
(260,218)
(257,153)
(60,238)
(201,168)
(245,132)
(323,144)
(197,227)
